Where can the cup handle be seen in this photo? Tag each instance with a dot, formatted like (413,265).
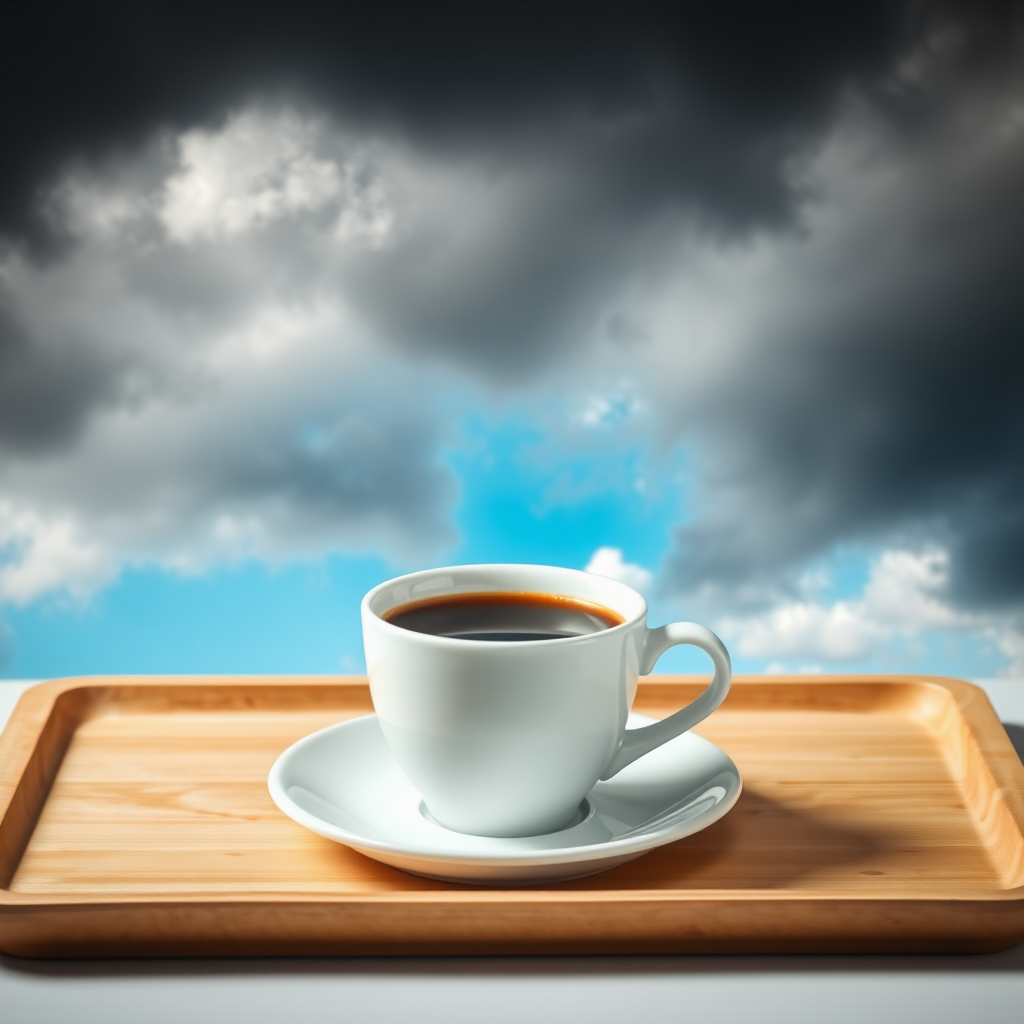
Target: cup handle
(637,742)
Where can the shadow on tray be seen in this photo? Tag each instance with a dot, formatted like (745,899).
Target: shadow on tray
(1011,960)
(1016,734)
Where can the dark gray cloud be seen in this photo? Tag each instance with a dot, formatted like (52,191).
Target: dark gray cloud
(188,382)
(896,408)
(627,118)
(796,228)
(700,102)
(45,395)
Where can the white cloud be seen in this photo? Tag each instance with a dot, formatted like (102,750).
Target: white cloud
(45,555)
(1009,638)
(902,596)
(262,167)
(838,632)
(610,411)
(608,562)
(904,591)
(778,668)
(902,599)
(256,169)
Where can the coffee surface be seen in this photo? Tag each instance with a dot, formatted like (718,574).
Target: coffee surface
(504,615)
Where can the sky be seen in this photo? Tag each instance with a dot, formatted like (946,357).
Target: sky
(721,300)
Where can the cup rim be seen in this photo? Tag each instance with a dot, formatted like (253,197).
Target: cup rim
(630,621)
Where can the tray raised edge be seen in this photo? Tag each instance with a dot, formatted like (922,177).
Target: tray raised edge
(504,921)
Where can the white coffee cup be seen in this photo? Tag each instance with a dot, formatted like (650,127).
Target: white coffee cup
(506,738)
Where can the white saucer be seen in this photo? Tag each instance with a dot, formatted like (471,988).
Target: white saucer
(342,783)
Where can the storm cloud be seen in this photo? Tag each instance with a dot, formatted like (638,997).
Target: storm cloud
(875,378)
(696,105)
(243,257)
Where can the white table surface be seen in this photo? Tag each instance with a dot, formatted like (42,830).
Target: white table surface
(649,989)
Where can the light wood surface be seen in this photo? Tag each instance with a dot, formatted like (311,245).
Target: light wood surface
(879,813)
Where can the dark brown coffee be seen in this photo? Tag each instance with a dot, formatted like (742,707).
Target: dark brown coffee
(504,615)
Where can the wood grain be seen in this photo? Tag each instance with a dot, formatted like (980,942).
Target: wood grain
(878,813)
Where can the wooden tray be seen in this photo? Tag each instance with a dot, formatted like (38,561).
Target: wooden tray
(879,813)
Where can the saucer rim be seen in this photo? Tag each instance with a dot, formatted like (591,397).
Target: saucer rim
(614,848)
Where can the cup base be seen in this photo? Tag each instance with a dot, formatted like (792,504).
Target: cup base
(582,813)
